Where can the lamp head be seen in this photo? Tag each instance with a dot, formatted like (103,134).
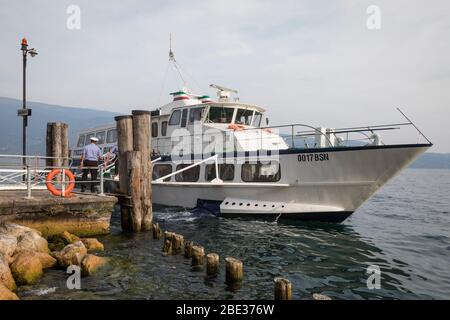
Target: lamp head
(32,52)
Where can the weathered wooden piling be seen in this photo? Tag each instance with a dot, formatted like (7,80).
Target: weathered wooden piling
(57,144)
(124,125)
(177,243)
(198,256)
(282,289)
(318,296)
(133,136)
(212,264)
(188,249)
(134,173)
(156,231)
(167,246)
(234,270)
(142,143)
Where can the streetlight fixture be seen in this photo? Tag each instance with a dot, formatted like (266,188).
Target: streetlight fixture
(24,112)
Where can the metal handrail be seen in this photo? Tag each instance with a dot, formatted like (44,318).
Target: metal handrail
(215,157)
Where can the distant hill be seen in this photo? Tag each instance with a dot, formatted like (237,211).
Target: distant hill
(11,124)
(431,160)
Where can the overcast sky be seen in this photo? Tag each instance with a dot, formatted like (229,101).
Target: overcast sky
(312,62)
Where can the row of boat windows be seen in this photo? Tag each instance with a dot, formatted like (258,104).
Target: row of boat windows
(215,115)
(110,136)
(250,172)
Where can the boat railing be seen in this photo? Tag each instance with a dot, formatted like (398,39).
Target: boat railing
(298,136)
(216,162)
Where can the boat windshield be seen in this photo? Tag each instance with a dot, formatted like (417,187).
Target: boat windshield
(244,116)
(220,115)
(257,119)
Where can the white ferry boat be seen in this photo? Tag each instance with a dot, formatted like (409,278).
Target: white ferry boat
(224,154)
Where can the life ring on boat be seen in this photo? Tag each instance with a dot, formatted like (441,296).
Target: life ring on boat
(49,182)
(236,127)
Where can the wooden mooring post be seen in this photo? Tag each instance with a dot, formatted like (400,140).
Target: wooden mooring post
(133,136)
(282,289)
(57,144)
(198,256)
(212,264)
(234,271)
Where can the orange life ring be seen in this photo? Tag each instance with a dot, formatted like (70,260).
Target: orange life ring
(51,187)
(236,127)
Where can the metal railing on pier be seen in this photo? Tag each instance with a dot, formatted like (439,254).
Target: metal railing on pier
(34,174)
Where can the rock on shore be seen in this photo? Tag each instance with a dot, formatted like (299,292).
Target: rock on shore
(24,254)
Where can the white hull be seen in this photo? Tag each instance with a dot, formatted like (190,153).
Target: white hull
(334,186)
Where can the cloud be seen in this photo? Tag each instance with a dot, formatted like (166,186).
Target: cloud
(312,61)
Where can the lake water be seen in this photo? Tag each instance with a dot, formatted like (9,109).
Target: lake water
(404,229)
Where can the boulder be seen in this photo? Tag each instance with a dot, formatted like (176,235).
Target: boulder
(6,294)
(69,238)
(92,244)
(31,240)
(46,259)
(6,277)
(91,263)
(15,230)
(72,254)
(8,244)
(26,268)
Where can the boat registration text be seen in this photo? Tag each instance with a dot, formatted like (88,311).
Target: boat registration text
(313,157)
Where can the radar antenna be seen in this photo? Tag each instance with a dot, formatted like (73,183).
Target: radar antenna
(223,92)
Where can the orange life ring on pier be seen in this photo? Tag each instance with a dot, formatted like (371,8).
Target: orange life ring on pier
(49,182)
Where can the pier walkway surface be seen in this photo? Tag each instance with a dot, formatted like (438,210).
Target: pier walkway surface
(83,214)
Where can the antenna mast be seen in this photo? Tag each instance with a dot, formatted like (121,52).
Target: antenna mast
(172,59)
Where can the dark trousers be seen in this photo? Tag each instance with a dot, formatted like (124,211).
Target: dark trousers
(93,171)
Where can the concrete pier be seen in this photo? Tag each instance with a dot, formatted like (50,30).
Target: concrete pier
(80,214)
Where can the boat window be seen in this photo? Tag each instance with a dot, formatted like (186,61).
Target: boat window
(261,172)
(175,118)
(154,129)
(226,172)
(220,115)
(244,116)
(164,128)
(161,170)
(184,118)
(111,136)
(88,138)
(195,115)
(190,175)
(80,142)
(257,119)
(101,137)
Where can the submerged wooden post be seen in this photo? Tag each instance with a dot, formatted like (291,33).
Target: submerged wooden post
(318,296)
(188,249)
(156,231)
(212,264)
(142,143)
(177,243)
(198,256)
(234,270)
(124,125)
(167,246)
(282,289)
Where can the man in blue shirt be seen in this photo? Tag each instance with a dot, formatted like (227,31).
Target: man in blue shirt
(89,160)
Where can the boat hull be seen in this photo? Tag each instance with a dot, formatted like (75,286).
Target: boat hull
(315,184)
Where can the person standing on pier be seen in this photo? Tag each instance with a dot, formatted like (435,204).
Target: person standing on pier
(89,160)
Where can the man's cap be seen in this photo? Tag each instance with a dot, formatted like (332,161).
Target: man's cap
(94,139)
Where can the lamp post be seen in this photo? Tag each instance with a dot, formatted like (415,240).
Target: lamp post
(24,112)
